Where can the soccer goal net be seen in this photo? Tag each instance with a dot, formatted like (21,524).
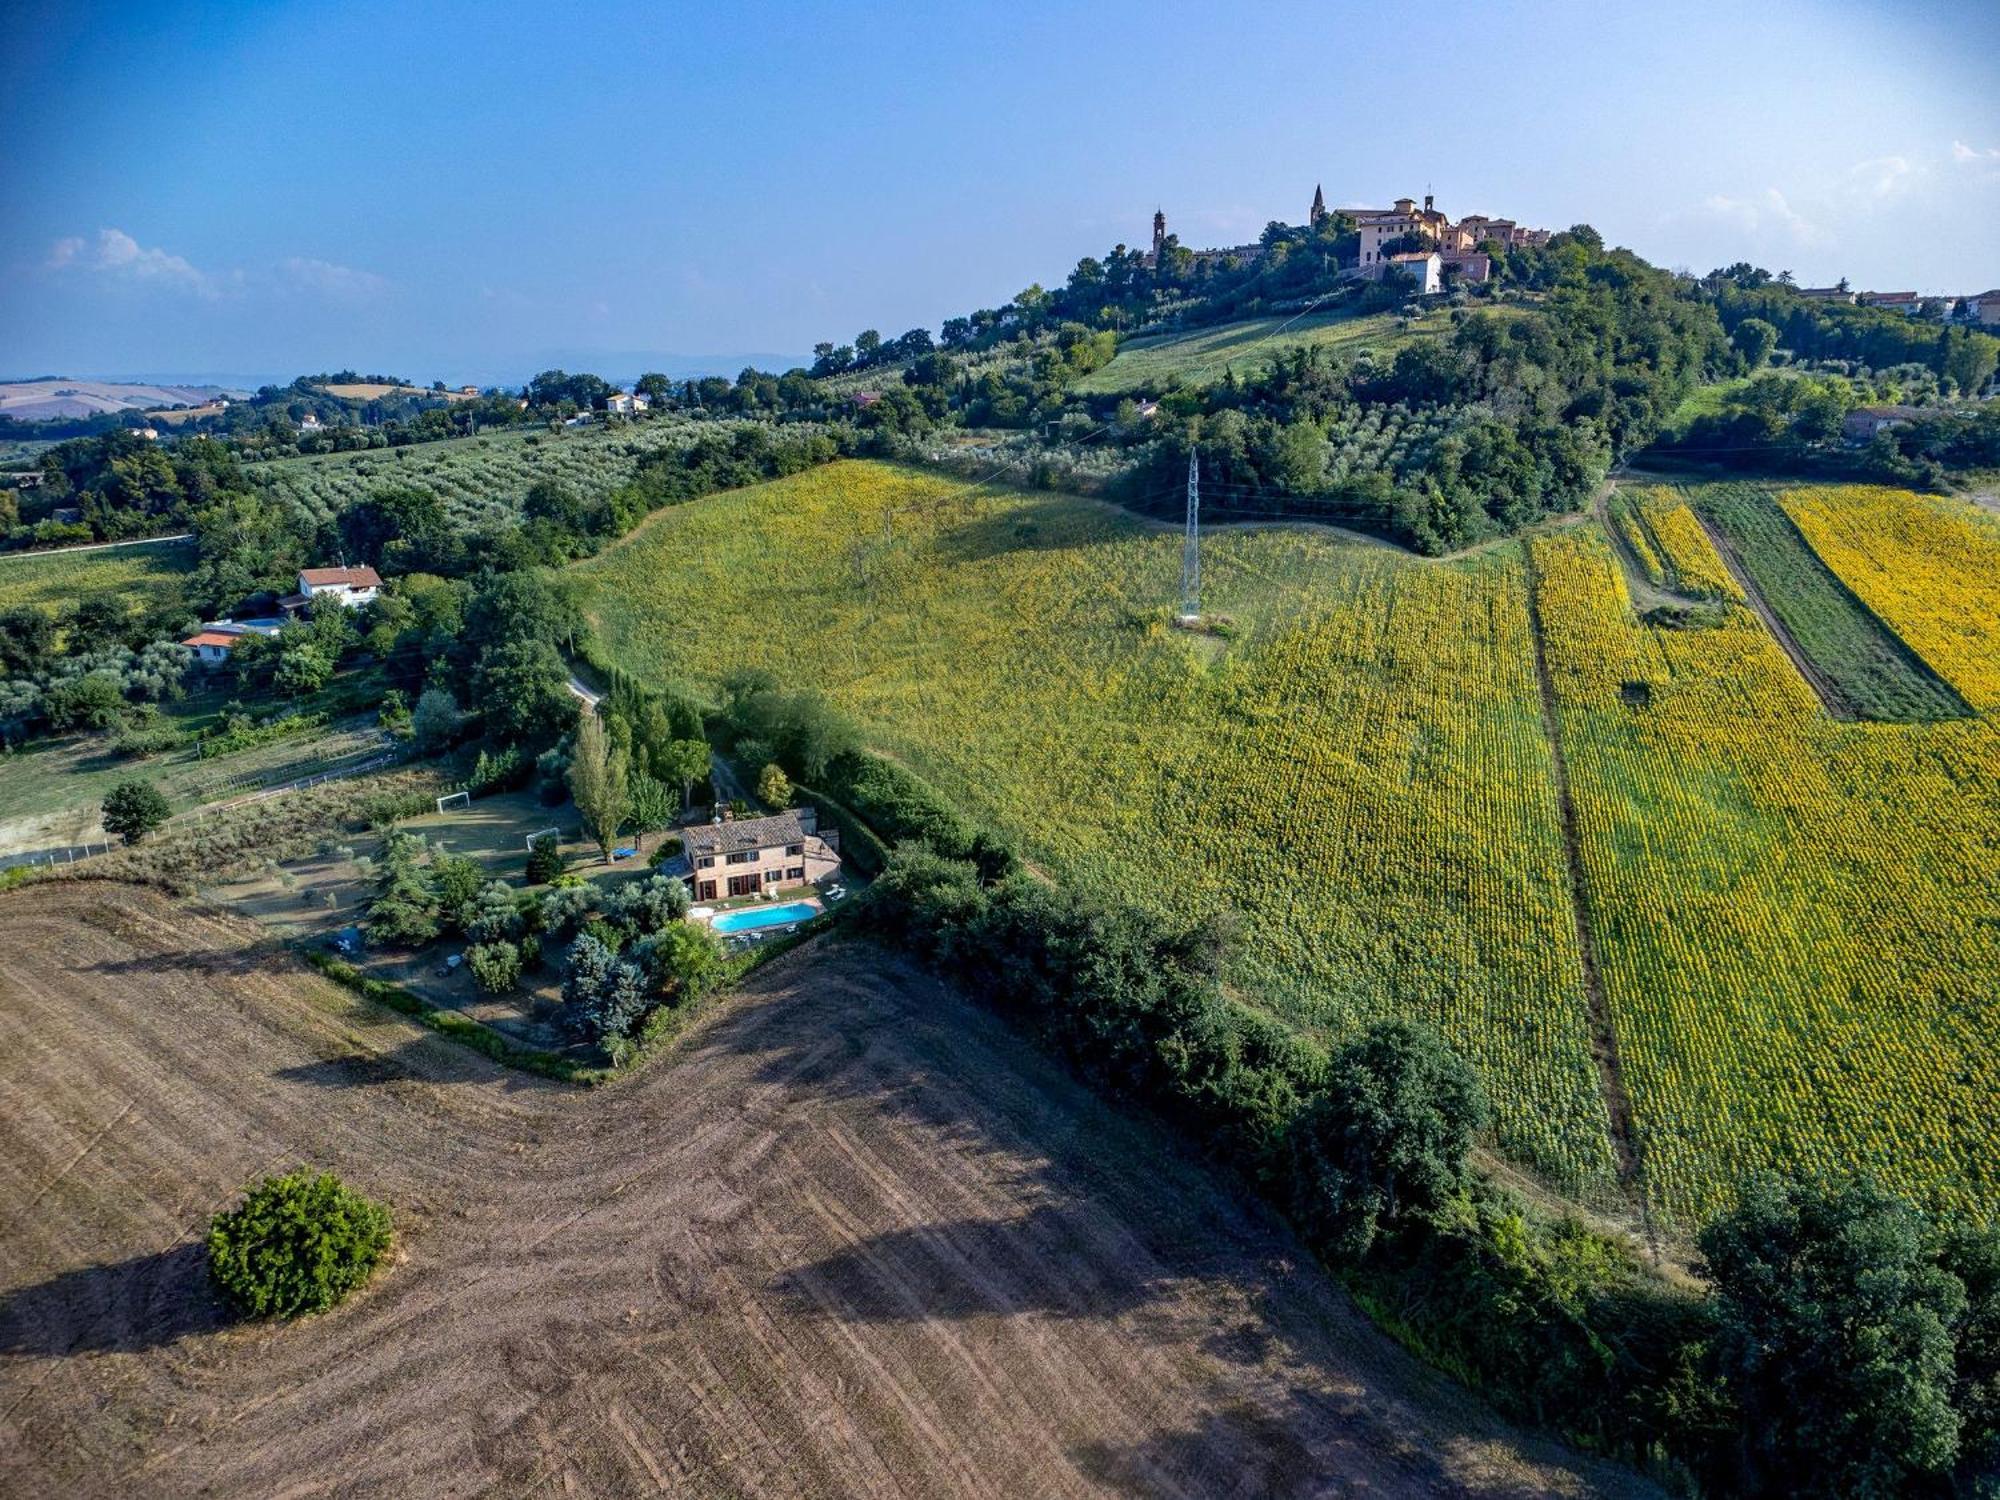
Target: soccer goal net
(454,802)
(545,833)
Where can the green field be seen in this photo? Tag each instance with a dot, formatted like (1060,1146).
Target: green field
(1778,901)
(1200,357)
(1873,670)
(50,580)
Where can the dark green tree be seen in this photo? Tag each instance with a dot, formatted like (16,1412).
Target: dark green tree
(296,1244)
(133,809)
(1754,339)
(1387,1138)
(1836,1339)
(523,688)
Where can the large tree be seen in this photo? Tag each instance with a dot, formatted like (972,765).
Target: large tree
(1388,1136)
(598,781)
(1837,1330)
(133,809)
(523,688)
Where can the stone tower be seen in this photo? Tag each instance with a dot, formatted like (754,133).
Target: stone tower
(1159,234)
(1318,216)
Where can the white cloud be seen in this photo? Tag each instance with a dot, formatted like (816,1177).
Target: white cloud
(115,253)
(1761,212)
(343,283)
(1884,176)
(1983,160)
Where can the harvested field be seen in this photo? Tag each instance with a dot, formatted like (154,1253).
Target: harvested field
(854,1239)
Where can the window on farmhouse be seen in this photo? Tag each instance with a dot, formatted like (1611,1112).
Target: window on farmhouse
(795,850)
(797,872)
(747,857)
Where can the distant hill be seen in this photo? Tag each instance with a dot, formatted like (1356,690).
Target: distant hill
(60,400)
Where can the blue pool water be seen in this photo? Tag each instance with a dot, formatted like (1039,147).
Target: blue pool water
(750,918)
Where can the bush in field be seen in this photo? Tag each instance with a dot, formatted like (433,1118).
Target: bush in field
(296,1244)
(134,809)
(92,702)
(496,966)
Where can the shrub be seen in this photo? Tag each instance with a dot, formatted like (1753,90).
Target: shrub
(492,916)
(134,809)
(496,966)
(296,1244)
(670,846)
(545,861)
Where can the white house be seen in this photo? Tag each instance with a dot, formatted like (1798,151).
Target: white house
(618,403)
(309,423)
(1984,309)
(1427,266)
(353,587)
(217,638)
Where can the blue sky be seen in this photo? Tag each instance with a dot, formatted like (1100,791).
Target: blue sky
(465,191)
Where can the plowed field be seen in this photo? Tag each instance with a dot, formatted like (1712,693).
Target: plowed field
(853,1239)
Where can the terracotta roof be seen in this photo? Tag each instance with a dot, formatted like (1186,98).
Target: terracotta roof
(1904,413)
(212,638)
(749,833)
(359,578)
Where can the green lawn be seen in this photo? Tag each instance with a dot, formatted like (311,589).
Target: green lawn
(50,580)
(1201,355)
(1877,674)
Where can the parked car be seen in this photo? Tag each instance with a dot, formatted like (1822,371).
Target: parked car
(451,965)
(346,942)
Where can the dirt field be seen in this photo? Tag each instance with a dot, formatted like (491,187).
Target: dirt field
(853,1239)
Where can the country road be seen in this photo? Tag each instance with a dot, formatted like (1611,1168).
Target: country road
(137,541)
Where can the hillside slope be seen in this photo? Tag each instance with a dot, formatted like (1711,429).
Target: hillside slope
(1794,917)
(854,1238)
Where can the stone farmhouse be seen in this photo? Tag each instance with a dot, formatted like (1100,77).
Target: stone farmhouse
(752,856)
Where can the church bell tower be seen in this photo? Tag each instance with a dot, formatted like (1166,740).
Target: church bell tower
(1159,234)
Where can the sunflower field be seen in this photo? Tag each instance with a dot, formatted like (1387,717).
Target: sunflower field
(1928,567)
(1358,763)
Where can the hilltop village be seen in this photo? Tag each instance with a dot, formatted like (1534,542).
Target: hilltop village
(1423,243)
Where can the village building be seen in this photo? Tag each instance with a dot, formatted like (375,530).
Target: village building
(751,856)
(1827,294)
(1902,302)
(1459,246)
(1984,309)
(618,403)
(1425,266)
(1864,422)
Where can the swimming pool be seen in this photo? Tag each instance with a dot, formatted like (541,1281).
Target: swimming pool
(750,918)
